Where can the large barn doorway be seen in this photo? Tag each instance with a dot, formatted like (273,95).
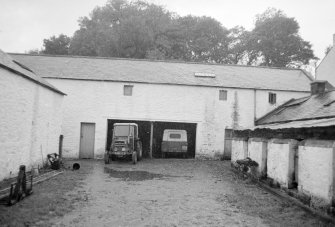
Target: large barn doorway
(144,131)
(159,128)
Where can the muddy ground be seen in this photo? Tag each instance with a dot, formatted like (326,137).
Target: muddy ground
(159,192)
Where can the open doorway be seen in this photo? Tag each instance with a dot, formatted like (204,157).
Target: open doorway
(144,128)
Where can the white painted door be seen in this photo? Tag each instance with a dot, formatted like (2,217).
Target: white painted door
(87,135)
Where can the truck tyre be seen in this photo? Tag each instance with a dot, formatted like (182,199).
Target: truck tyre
(134,157)
(139,151)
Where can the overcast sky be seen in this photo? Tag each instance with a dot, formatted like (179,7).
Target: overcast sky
(25,23)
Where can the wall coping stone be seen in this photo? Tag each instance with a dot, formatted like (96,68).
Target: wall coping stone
(282,141)
(256,139)
(240,139)
(318,143)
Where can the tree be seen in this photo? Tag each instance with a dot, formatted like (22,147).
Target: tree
(57,45)
(120,29)
(238,45)
(275,41)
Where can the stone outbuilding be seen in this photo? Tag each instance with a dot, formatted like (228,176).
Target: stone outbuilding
(31,116)
(204,99)
(294,145)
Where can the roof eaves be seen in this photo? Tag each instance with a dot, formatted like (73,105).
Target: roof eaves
(29,78)
(301,119)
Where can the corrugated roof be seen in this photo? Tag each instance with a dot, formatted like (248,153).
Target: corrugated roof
(312,107)
(17,67)
(326,122)
(165,72)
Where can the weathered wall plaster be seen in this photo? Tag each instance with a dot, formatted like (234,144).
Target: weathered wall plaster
(257,151)
(97,101)
(30,123)
(280,160)
(239,149)
(316,169)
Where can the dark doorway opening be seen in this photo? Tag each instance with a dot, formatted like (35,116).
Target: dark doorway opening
(144,128)
(143,133)
(159,128)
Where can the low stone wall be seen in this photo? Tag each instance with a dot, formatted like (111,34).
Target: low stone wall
(239,149)
(280,161)
(257,151)
(316,171)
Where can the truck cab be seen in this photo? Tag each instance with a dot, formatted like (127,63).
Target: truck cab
(125,143)
(174,142)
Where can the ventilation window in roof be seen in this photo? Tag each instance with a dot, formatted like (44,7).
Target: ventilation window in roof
(207,75)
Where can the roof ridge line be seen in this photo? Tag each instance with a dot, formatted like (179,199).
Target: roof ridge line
(164,61)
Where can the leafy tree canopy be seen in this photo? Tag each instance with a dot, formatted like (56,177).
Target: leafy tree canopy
(57,45)
(140,29)
(275,41)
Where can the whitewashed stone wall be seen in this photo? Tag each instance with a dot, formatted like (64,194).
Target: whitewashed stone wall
(97,101)
(239,149)
(316,168)
(30,123)
(280,160)
(257,151)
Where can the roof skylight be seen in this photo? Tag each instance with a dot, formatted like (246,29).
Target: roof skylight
(208,75)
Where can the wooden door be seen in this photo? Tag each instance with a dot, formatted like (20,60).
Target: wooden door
(228,144)
(87,136)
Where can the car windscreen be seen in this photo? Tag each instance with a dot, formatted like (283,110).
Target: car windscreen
(175,136)
(123,130)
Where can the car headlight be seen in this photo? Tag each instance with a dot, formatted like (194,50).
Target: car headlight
(115,149)
(124,149)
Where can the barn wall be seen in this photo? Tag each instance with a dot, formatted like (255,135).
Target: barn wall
(97,101)
(316,170)
(30,123)
(280,161)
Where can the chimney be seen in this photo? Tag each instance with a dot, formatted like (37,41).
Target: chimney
(318,87)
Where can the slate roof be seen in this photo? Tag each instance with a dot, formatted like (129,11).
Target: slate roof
(165,72)
(8,63)
(319,106)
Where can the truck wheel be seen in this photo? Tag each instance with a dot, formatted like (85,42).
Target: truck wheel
(139,151)
(106,158)
(134,157)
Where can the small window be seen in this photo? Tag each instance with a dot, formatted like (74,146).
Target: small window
(175,136)
(272,98)
(223,95)
(128,90)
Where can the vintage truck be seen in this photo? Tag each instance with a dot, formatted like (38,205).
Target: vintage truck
(125,143)
(174,142)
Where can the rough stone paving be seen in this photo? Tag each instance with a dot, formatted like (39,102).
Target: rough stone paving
(167,192)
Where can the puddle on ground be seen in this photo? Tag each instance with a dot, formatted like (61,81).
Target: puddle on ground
(133,175)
